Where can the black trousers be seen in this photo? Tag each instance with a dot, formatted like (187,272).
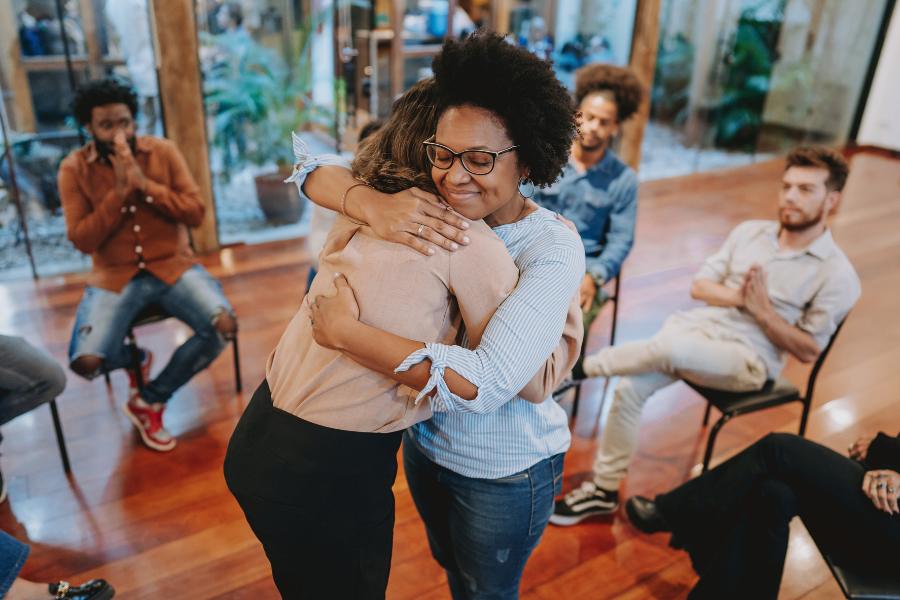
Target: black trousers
(318,499)
(733,520)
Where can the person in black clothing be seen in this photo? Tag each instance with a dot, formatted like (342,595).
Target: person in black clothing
(734,520)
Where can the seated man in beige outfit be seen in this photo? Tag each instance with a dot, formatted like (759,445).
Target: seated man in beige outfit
(774,287)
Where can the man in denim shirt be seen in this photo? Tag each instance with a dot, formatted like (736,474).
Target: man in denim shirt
(597,191)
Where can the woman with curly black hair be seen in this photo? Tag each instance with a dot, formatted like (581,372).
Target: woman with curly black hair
(484,470)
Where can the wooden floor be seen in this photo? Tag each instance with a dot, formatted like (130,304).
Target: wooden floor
(164,525)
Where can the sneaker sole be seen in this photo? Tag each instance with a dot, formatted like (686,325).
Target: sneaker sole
(144,437)
(565,521)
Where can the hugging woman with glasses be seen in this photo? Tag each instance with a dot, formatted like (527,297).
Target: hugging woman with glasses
(313,458)
(484,470)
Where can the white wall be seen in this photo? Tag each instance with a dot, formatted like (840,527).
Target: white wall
(881,119)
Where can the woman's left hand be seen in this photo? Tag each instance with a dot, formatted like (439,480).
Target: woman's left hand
(333,317)
(883,488)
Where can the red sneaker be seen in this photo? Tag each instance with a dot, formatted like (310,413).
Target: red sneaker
(148,420)
(145,372)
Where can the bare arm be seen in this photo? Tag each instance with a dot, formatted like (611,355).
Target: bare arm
(716,294)
(336,325)
(394,217)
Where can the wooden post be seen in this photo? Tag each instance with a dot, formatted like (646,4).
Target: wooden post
(13,77)
(396,61)
(180,88)
(91,39)
(644,43)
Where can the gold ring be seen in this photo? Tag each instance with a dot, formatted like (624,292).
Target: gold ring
(421,229)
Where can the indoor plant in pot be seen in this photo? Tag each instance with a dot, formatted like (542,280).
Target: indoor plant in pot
(255,100)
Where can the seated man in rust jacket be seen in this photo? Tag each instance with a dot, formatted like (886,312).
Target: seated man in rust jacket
(128,202)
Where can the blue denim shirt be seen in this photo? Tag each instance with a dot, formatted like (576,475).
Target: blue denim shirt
(602,202)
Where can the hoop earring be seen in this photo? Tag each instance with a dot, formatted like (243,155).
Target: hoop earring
(522,182)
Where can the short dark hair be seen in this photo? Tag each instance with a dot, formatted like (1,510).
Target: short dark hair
(486,71)
(622,83)
(101,92)
(822,158)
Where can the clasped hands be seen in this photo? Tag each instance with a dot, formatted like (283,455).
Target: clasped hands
(754,292)
(129,177)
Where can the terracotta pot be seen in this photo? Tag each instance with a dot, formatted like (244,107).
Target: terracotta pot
(279,201)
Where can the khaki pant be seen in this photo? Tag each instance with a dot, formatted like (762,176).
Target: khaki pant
(703,353)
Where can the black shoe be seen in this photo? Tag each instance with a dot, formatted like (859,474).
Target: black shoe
(645,516)
(583,502)
(95,589)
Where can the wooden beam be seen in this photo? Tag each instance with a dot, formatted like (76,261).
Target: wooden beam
(14,78)
(644,43)
(398,9)
(91,39)
(180,88)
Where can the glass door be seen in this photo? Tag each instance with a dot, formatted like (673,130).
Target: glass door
(61,44)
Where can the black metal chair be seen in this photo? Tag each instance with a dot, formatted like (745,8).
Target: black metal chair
(858,585)
(60,439)
(154,314)
(576,383)
(774,393)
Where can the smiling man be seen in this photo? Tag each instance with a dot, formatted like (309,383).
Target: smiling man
(597,191)
(128,202)
(774,288)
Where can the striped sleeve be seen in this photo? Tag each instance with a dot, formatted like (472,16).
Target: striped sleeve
(305,163)
(520,337)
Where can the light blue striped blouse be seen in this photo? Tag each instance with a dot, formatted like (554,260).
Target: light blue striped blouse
(498,434)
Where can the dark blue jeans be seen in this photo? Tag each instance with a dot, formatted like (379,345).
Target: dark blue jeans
(103,318)
(482,531)
(12,558)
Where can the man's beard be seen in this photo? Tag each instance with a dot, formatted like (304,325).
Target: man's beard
(595,147)
(107,149)
(803,225)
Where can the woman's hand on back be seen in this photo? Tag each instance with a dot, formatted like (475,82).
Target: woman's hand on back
(417,219)
(333,317)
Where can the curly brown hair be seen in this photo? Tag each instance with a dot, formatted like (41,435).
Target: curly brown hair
(393,158)
(822,158)
(622,83)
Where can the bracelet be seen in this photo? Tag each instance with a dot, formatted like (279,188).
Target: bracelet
(344,202)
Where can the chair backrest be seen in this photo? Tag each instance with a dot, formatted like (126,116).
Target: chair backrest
(811,382)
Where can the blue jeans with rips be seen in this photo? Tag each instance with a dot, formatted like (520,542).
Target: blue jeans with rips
(103,318)
(482,531)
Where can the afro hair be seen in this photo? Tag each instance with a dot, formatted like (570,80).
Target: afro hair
(622,83)
(101,92)
(486,71)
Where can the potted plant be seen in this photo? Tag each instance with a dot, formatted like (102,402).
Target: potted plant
(256,101)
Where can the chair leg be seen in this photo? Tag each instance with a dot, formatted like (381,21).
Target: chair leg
(575,401)
(63,452)
(711,441)
(706,414)
(615,321)
(804,417)
(237,364)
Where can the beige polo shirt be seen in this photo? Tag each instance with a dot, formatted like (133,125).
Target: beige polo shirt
(813,289)
(428,299)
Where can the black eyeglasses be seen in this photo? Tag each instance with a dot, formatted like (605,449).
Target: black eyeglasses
(476,162)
